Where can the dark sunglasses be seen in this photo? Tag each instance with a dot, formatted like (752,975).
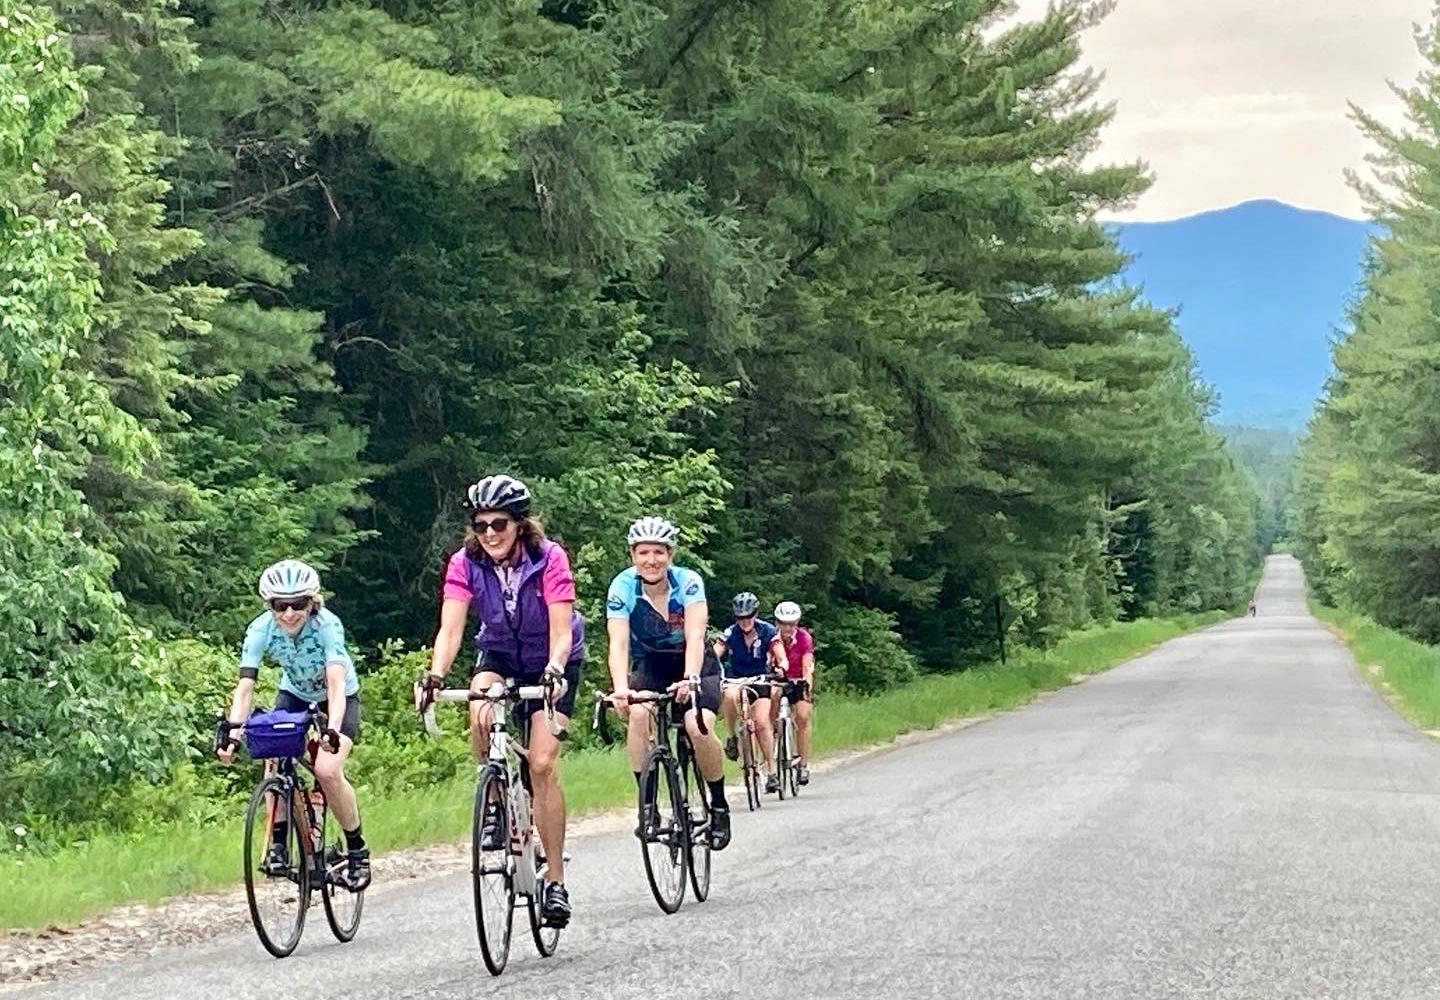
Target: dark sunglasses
(499,525)
(279,604)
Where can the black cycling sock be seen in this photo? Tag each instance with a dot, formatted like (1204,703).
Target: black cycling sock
(637,778)
(717,792)
(280,833)
(353,840)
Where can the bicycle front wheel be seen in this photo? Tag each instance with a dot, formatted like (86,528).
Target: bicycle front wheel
(791,768)
(697,799)
(277,882)
(664,831)
(492,874)
(749,770)
(342,907)
(783,763)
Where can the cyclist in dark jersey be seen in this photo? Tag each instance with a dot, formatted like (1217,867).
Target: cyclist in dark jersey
(751,648)
(656,616)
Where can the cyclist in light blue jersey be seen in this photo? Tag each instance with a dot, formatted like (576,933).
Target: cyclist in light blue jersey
(655,618)
(307,642)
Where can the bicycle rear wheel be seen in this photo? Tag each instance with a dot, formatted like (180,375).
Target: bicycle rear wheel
(749,770)
(664,833)
(697,798)
(492,875)
(342,907)
(546,938)
(280,896)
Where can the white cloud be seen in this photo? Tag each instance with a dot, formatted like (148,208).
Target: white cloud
(1229,100)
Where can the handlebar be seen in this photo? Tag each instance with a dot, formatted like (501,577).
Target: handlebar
(550,690)
(670,694)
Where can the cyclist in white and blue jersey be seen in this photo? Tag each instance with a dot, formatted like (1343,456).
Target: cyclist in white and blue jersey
(307,642)
(656,617)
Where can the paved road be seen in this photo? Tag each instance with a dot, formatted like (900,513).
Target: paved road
(1235,815)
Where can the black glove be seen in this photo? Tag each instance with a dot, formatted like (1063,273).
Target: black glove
(223,739)
(330,739)
(429,683)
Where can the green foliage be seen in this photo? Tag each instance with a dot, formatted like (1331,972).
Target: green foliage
(1363,510)
(822,282)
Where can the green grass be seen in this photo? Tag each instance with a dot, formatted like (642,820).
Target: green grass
(1408,671)
(158,863)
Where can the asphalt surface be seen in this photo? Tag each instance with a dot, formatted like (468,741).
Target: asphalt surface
(1236,815)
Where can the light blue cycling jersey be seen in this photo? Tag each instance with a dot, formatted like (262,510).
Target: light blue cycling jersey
(302,660)
(649,631)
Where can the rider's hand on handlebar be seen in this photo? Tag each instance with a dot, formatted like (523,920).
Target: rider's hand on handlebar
(425,689)
(682,690)
(620,700)
(330,741)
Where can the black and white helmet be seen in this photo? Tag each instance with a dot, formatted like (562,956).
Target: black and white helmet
(787,612)
(653,529)
(289,578)
(499,493)
(744,604)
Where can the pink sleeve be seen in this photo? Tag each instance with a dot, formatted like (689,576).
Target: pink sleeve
(457,581)
(807,642)
(557,584)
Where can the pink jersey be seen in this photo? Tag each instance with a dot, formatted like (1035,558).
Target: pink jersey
(557,582)
(795,651)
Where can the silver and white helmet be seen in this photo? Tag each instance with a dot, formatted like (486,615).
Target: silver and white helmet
(787,612)
(289,578)
(499,493)
(653,529)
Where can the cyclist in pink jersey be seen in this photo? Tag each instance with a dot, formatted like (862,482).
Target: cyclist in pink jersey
(799,648)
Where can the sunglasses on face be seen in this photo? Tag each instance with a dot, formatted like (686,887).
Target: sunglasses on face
(279,604)
(499,525)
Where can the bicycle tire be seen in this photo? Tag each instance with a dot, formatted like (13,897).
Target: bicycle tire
(343,920)
(782,760)
(697,798)
(275,793)
(670,836)
(791,767)
(492,875)
(749,771)
(547,939)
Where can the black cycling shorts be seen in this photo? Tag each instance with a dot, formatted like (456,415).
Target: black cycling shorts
(349,726)
(657,671)
(488,662)
(799,691)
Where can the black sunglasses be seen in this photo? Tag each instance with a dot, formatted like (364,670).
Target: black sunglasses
(279,604)
(500,525)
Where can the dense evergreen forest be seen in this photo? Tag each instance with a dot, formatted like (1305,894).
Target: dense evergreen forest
(822,282)
(1364,512)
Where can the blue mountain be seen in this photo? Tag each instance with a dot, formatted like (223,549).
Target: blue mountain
(1261,288)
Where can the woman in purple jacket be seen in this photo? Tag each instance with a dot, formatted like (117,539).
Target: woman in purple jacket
(520,586)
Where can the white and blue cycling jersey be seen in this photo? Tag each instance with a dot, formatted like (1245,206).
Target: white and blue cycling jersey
(650,631)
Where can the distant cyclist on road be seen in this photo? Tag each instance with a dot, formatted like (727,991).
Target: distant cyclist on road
(799,648)
(751,648)
(520,586)
(307,641)
(656,616)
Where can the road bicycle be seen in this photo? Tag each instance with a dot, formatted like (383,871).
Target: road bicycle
(786,760)
(289,850)
(750,755)
(511,875)
(674,804)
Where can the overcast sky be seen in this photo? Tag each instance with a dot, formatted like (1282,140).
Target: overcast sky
(1230,100)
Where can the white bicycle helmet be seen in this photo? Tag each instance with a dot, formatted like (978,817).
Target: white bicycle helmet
(653,529)
(499,493)
(289,578)
(787,612)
